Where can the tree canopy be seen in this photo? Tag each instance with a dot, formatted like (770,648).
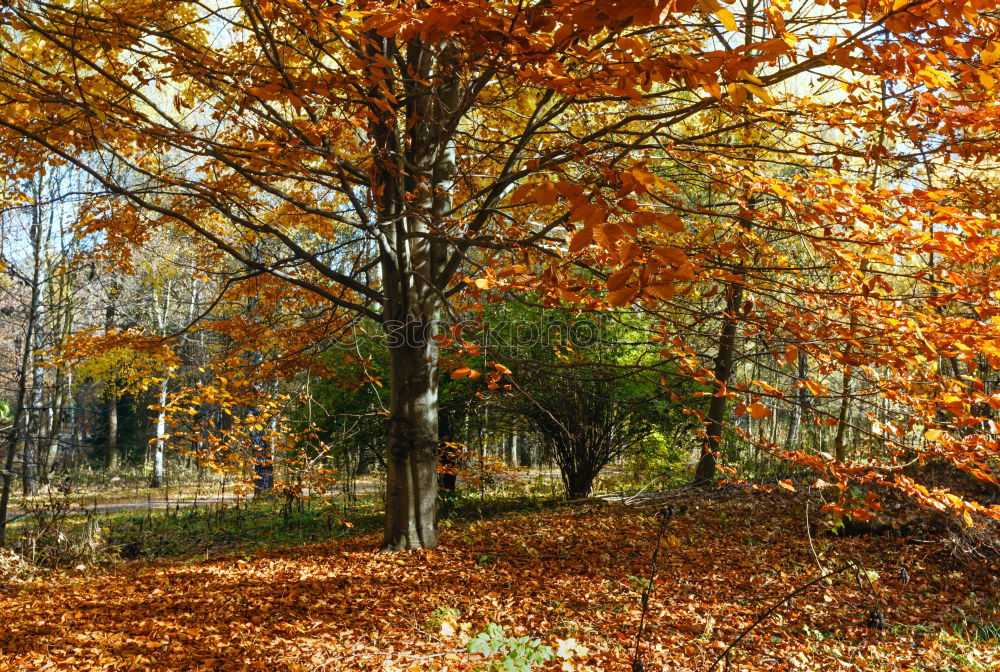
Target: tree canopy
(812,179)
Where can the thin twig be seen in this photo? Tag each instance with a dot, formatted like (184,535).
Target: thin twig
(665,515)
(812,547)
(774,607)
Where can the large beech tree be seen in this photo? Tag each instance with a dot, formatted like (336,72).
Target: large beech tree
(383,156)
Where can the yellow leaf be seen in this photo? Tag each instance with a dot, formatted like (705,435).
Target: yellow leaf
(726,17)
(737,93)
(816,388)
(758,410)
(991,53)
(760,92)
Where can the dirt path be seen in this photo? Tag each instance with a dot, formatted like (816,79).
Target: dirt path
(81,508)
(96,506)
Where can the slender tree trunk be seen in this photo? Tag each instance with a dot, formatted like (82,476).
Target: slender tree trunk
(111,457)
(705,472)
(32,436)
(161,312)
(35,433)
(512,449)
(161,430)
(801,400)
(17,416)
(57,413)
(18,412)
(839,443)
(111,446)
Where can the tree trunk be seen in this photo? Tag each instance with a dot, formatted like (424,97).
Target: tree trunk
(526,456)
(411,475)
(414,176)
(705,473)
(512,449)
(111,446)
(579,484)
(161,430)
(16,421)
(839,442)
(801,401)
(161,313)
(35,431)
(54,422)
(32,437)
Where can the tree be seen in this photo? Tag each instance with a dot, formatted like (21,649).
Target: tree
(375,154)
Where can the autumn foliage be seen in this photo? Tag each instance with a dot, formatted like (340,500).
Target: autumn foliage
(799,198)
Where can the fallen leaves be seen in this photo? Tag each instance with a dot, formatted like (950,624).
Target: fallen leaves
(340,606)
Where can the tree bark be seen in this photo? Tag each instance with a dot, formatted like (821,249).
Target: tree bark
(801,402)
(16,420)
(512,449)
(705,472)
(839,442)
(161,430)
(579,484)
(32,437)
(411,478)
(35,430)
(161,314)
(414,177)
(111,446)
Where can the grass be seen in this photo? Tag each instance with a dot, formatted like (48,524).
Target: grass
(63,534)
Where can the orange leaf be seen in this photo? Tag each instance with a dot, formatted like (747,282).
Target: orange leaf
(816,388)
(622,297)
(581,239)
(671,255)
(661,290)
(618,279)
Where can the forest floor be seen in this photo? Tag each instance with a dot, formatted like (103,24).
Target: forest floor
(571,576)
